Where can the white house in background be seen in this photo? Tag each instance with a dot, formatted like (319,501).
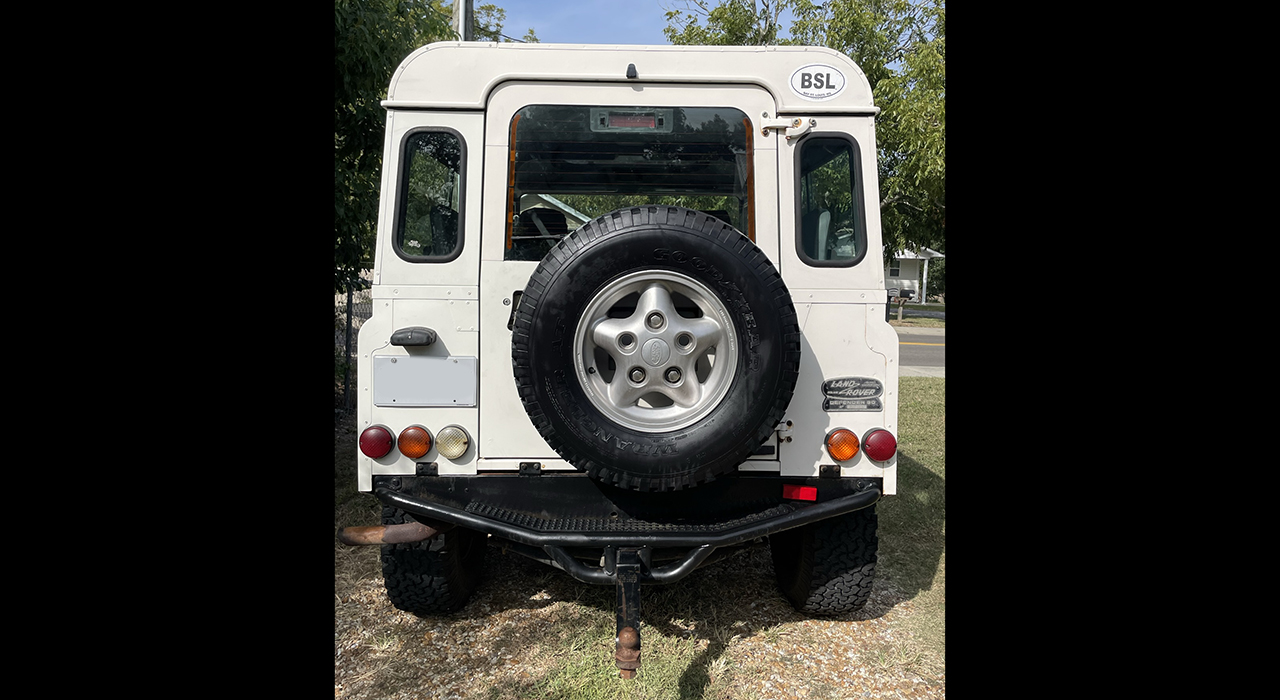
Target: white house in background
(908,274)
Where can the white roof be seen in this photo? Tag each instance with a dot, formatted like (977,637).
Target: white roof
(461,74)
(925,254)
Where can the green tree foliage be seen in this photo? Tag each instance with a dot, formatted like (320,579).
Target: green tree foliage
(938,277)
(901,47)
(488,26)
(731,23)
(371,38)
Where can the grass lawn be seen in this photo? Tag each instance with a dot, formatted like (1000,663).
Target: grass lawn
(909,322)
(913,542)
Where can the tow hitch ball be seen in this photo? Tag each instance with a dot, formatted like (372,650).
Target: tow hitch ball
(627,584)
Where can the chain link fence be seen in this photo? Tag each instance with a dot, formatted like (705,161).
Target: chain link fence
(350,311)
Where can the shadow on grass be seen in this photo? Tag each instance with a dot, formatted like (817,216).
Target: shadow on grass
(734,597)
(911,530)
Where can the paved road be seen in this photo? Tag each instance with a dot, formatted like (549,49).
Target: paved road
(908,313)
(922,352)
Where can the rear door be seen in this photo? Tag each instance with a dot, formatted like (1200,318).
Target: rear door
(526,212)
(832,263)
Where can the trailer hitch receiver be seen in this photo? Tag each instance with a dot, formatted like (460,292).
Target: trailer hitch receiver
(627,584)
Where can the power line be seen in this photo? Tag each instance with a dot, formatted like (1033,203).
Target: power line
(450,18)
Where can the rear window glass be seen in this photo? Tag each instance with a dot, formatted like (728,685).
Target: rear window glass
(571,164)
(831,228)
(429,228)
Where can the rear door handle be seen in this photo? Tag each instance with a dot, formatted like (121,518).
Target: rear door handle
(420,336)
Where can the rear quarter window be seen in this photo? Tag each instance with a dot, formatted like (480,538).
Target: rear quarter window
(429,220)
(831,219)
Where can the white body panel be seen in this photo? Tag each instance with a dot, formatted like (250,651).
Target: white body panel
(841,340)
(512,433)
(461,75)
(473,90)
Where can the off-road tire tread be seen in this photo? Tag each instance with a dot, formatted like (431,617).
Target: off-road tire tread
(433,577)
(828,568)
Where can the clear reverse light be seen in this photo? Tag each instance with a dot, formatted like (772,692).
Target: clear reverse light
(452,442)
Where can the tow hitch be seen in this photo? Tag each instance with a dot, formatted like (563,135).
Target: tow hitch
(627,583)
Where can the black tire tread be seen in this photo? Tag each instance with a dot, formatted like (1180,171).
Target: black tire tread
(828,568)
(433,577)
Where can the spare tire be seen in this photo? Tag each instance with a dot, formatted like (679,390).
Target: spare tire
(655,348)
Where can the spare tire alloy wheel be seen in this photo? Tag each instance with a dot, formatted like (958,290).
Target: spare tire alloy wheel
(655,348)
(656,352)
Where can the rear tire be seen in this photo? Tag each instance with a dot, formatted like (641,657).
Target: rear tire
(435,576)
(827,568)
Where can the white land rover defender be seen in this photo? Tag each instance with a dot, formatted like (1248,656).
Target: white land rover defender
(628,313)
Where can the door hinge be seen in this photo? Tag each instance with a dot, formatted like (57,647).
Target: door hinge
(794,126)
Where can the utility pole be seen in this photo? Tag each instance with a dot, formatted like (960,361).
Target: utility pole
(464,19)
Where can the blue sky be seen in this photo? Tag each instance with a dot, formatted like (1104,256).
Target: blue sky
(587,21)
(595,21)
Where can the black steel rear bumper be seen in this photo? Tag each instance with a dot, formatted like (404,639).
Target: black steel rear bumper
(553,514)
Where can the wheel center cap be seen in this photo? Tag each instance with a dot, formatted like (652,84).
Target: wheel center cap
(656,352)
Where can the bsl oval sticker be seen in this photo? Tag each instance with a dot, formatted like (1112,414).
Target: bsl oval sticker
(817,82)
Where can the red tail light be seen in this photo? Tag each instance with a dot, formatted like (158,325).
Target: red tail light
(376,441)
(879,444)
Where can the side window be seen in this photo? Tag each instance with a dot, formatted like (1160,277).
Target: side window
(831,229)
(429,225)
(895,268)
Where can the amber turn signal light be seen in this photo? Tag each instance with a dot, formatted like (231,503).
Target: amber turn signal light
(414,441)
(842,445)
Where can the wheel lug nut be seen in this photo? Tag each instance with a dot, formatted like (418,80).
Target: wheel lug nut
(655,320)
(673,375)
(637,375)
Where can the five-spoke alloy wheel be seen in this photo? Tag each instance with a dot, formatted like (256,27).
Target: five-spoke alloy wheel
(655,351)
